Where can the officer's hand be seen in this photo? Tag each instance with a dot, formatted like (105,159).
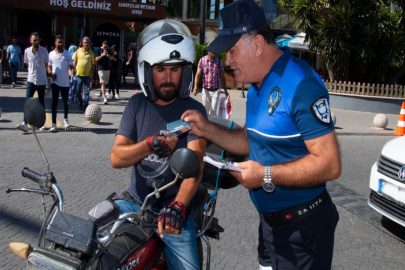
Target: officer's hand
(172,218)
(198,122)
(195,91)
(252,175)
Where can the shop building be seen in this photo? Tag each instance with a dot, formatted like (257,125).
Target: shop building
(119,22)
(189,12)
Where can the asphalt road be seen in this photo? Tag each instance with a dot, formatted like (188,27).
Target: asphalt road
(80,162)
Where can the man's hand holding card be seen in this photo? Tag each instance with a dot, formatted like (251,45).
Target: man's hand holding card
(176,128)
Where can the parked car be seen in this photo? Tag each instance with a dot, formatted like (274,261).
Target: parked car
(387,181)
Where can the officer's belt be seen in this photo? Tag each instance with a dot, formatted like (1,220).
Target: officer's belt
(211,89)
(299,212)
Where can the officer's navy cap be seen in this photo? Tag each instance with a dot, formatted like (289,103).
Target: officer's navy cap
(238,18)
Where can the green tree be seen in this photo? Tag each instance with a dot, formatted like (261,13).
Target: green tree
(199,53)
(359,40)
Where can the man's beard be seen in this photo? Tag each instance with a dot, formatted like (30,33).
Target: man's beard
(166,95)
(60,48)
(35,45)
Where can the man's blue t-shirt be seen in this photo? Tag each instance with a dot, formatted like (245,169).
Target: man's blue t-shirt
(291,106)
(15,52)
(142,119)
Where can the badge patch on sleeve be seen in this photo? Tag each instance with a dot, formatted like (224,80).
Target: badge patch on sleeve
(274,100)
(321,111)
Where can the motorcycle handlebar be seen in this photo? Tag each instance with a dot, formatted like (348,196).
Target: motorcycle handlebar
(27,173)
(44,180)
(149,225)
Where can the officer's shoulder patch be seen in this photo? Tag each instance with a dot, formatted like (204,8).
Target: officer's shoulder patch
(274,100)
(321,111)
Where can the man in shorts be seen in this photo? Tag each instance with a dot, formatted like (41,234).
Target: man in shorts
(103,58)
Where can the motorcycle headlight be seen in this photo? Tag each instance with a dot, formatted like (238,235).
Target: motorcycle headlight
(41,259)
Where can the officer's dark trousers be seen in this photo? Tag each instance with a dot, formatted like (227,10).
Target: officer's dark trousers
(303,245)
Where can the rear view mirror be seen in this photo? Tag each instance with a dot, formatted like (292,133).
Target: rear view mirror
(34,113)
(185,162)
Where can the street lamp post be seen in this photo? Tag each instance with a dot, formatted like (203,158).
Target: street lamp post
(242,94)
(202,21)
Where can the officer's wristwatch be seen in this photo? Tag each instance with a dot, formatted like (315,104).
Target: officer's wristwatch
(268,184)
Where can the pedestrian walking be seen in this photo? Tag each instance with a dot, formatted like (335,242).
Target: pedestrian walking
(36,58)
(131,64)
(94,81)
(72,48)
(83,63)
(211,69)
(80,45)
(103,58)
(72,80)
(14,59)
(60,61)
(1,64)
(289,138)
(115,75)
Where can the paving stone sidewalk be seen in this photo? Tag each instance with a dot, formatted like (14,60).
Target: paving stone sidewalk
(12,104)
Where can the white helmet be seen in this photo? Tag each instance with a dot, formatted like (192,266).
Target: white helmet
(165,42)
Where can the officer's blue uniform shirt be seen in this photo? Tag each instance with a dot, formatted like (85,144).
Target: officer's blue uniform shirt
(292,105)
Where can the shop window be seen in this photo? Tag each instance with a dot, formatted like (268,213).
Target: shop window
(174,8)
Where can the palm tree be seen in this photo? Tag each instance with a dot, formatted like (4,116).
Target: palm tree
(359,40)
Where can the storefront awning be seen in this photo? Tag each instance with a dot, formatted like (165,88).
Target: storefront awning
(135,11)
(298,42)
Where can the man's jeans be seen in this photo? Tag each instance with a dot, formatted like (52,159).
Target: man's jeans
(180,250)
(31,88)
(83,80)
(13,71)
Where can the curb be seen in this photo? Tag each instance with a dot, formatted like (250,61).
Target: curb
(72,129)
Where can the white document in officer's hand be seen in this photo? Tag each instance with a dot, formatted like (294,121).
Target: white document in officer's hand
(222,164)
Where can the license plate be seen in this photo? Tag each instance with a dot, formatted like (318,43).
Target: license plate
(392,191)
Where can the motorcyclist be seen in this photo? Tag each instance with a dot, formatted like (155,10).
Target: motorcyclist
(165,56)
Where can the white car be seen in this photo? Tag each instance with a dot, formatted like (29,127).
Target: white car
(387,181)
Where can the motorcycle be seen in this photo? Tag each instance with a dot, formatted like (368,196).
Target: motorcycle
(118,241)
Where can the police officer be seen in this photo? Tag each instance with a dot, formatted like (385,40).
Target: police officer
(289,137)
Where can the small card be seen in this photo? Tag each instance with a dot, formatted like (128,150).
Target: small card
(176,128)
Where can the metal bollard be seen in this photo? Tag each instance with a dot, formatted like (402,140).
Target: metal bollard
(242,94)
